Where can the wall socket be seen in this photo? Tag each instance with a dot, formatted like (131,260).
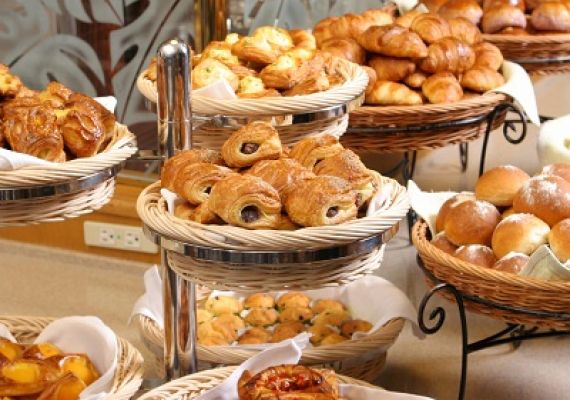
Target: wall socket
(115,236)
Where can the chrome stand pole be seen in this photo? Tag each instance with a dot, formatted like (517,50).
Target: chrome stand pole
(174,134)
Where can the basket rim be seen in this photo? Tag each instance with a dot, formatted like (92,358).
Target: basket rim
(551,38)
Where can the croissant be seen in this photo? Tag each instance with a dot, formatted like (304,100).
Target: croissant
(393,40)
(246,201)
(493,3)
(465,30)
(282,174)
(252,87)
(482,79)
(488,55)
(372,78)
(503,16)
(255,141)
(448,55)
(194,182)
(303,38)
(316,83)
(360,23)
(415,80)
(310,151)
(256,50)
(430,27)
(433,5)
(345,48)
(442,88)
(210,71)
(468,9)
(323,200)
(10,84)
(278,38)
(391,69)
(183,159)
(391,93)
(551,16)
(407,19)
(322,30)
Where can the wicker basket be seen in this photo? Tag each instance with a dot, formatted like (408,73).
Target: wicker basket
(538,54)
(190,386)
(128,376)
(500,288)
(59,206)
(358,358)
(398,140)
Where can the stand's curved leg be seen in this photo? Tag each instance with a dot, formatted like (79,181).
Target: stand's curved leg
(464,155)
(408,169)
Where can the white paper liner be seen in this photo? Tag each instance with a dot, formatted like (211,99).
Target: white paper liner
(220,90)
(88,335)
(12,160)
(287,352)
(542,264)
(554,141)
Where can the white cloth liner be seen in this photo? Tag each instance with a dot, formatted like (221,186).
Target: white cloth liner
(554,141)
(287,352)
(219,90)
(88,335)
(12,160)
(542,264)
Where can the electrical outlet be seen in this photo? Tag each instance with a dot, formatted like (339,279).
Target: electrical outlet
(115,236)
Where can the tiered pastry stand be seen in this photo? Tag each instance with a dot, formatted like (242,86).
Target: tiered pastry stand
(265,268)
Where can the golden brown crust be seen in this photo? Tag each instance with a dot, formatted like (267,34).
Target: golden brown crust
(278,38)
(469,9)
(318,333)
(520,233)
(323,305)
(391,68)
(255,336)
(293,299)
(184,158)
(106,117)
(430,27)
(259,300)
(291,314)
(476,254)
(512,263)
(488,55)
(392,93)
(372,78)
(195,181)
(551,16)
(415,80)
(309,151)
(282,174)
(254,142)
(210,71)
(220,51)
(482,79)
(393,40)
(503,16)
(256,50)
(465,30)
(559,169)
(262,317)
(441,242)
(318,82)
(350,327)
(448,205)
(346,48)
(471,222)
(448,55)
(251,87)
(559,240)
(407,19)
(56,95)
(10,84)
(499,185)
(289,70)
(219,305)
(303,38)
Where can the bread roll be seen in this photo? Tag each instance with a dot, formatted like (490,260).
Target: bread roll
(471,222)
(559,239)
(499,185)
(507,212)
(441,242)
(521,233)
(468,9)
(476,254)
(560,169)
(448,205)
(512,262)
(546,196)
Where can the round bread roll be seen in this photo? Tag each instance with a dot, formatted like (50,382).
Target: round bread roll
(559,239)
(441,242)
(521,233)
(546,196)
(471,222)
(476,254)
(512,263)
(561,169)
(499,185)
(448,205)
(507,212)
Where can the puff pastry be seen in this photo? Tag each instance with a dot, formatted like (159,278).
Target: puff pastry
(430,27)
(289,70)
(184,158)
(210,71)
(194,182)
(106,117)
(255,141)
(282,174)
(220,51)
(482,79)
(469,9)
(318,82)
(246,201)
(303,38)
(323,200)
(252,87)
(278,38)
(55,94)
(81,127)
(10,84)
(407,19)
(392,93)
(488,55)
(346,48)
(442,88)
(502,16)
(464,30)
(393,40)
(415,80)
(391,68)
(448,55)
(256,50)
(309,151)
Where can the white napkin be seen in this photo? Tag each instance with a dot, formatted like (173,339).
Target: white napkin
(427,204)
(172,200)
(544,265)
(150,304)
(554,141)
(220,90)
(88,335)
(12,160)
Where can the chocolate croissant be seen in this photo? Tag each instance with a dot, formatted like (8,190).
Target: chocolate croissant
(194,182)
(392,40)
(255,141)
(246,201)
(282,174)
(323,200)
(448,55)
(430,27)
(310,151)
(183,159)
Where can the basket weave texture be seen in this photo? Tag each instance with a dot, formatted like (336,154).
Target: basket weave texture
(191,386)
(128,376)
(501,288)
(358,358)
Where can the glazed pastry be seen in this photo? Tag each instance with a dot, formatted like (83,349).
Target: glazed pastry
(290,314)
(303,38)
(310,151)
(333,338)
(433,5)
(323,200)
(449,204)
(194,182)
(361,22)
(323,30)
(393,40)
(55,94)
(293,299)
(346,48)
(372,78)
(256,141)
(431,27)
(287,330)
(476,254)
(184,211)
(210,71)
(285,224)
(282,174)
(469,9)
(68,386)
(388,93)
(255,336)
(219,305)
(448,55)
(318,82)
(203,215)
(482,79)
(319,332)
(256,50)
(27,377)
(252,87)
(288,70)
(106,117)
(331,317)
(38,351)
(465,30)
(494,3)
(278,38)
(10,84)
(348,166)
(442,242)
(488,55)
(246,201)
(219,51)
(234,321)
(391,69)
(500,17)
(551,16)
(415,80)
(183,159)
(324,305)
(407,19)
(262,317)
(348,328)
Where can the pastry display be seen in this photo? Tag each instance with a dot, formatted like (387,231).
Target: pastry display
(262,318)
(255,183)
(417,58)
(55,124)
(43,371)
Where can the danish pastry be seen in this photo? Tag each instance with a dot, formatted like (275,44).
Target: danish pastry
(277,38)
(252,87)
(287,330)
(323,200)
(10,84)
(255,49)
(293,299)
(259,300)
(303,38)
(106,117)
(318,82)
(55,94)
(82,128)
(194,182)
(262,317)
(219,305)
(310,151)
(282,174)
(66,387)
(255,336)
(183,159)
(219,51)
(203,215)
(254,142)
(210,71)
(348,328)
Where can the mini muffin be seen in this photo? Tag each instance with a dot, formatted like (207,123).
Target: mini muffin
(259,300)
(219,305)
(319,332)
(333,338)
(203,316)
(235,321)
(225,328)
(293,299)
(215,340)
(255,336)
(261,317)
(287,330)
(334,318)
(291,314)
(327,305)
(355,325)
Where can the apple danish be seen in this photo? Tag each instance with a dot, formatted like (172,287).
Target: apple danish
(56,94)
(310,151)
(183,159)
(323,200)
(82,128)
(194,182)
(106,117)
(246,201)
(281,174)
(10,84)
(256,141)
